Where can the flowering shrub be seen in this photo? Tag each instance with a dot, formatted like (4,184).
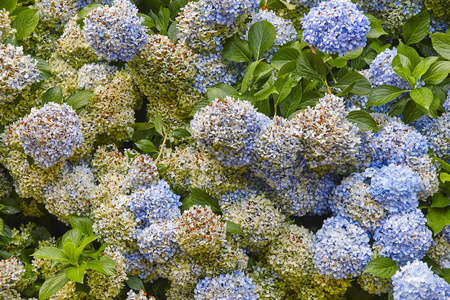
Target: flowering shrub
(224,149)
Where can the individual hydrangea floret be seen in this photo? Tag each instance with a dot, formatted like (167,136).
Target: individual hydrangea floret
(285,31)
(226,287)
(17,71)
(155,203)
(336,26)
(395,187)
(404,237)
(92,75)
(50,134)
(227,130)
(115,32)
(341,248)
(200,230)
(416,281)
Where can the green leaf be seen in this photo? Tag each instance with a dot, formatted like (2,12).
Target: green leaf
(410,53)
(361,86)
(163,20)
(283,56)
(440,200)
(265,92)
(423,66)
(53,284)
(379,46)
(69,249)
(249,74)
(83,223)
(54,94)
(103,264)
(376,30)
(403,67)
(412,112)
(382,267)
(444,177)
(341,61)
(2,226)
(146,146)
(74,234)
(159,126)
(416,28)
(175,7)
(233,228)
(25,23)
(51,253)
(444,165)
(80,99)
(261,36)
(76,273)
(391,295)
(135,283)
(142,126)
(148,21)
(10,206)
(438,218)
(181,133)
(200,197)
(9,5)
(422,96)
(290,104)
(441,43)
(383,94)
(305,63)
(236,49)
(399,106)
(437,72)
(443,273)
(363,120)
(172,33)
(283,85)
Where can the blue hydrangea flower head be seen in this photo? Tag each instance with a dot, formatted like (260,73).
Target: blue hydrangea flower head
(341,248)
(352,199)
(17,71)
(142,172)
(115,32)
(157,242)
(226,12)
(336,26)
(396,143)
(155,203)
(323,193)
(395,187)
(416,281)
(50,134)
(227,130)
(404,237)
(285,30)
(232,286)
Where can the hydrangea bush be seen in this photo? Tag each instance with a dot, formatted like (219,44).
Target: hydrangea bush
(224,149)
